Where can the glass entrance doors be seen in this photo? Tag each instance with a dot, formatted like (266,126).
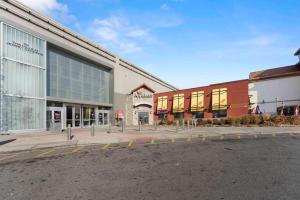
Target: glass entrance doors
(55,119)
(102,117)
(143,117)
(85,115)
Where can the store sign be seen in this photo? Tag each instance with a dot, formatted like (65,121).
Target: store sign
(24,47)
(142,94)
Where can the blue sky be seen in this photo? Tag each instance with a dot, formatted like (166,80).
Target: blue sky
(187,43)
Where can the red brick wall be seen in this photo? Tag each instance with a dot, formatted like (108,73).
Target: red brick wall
(237,99)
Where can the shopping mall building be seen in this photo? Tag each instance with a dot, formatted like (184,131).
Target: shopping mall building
(52,77)
(220,100)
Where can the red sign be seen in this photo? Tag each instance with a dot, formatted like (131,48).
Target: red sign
(119,114)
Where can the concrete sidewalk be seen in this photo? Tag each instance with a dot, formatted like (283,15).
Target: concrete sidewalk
(28,141)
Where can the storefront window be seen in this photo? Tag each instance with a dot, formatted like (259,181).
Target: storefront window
(198,115)
(178,116)
(23,88)
(70,77)
(219,113)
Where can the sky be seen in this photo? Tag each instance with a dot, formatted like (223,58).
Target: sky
(187,43)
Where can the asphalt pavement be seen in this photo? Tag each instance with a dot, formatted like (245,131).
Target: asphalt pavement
(219,168)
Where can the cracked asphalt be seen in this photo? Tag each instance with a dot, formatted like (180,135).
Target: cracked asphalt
(260,169)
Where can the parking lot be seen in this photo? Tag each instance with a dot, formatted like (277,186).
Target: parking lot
(218,167)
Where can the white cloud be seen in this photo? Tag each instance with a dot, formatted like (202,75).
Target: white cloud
(117,31)
(52,8)
(260,41)
(164,7)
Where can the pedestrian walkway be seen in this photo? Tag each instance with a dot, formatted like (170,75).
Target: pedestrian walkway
(27,141)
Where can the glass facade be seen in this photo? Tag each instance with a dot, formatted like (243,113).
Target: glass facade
(23,72)
(70,77)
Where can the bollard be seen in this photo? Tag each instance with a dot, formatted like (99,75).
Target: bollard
(177,126)
(93,130)
(188,124)
(183,124)
(109,128)
(155,125)
(140,126)
(69,132)
(123,126)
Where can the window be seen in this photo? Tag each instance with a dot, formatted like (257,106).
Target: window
(162,116)
(219,99)
(178,116)
(287,110)
(198,115)
(178,103)
(219,113)
(197,101)
(162,104)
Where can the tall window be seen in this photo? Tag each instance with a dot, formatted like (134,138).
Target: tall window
(23,85)
(71,77)
(162,104)
(219,102)
(197,101)
(178,103)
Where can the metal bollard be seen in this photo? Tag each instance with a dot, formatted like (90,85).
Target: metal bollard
(123,126)
(69,132)
(93,130)
(140,126)
(109,128)
(177,126)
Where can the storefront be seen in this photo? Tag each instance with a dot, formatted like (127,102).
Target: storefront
(51,77)
(220,100)
(140,106)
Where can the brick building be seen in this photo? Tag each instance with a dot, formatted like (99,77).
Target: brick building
(229,99)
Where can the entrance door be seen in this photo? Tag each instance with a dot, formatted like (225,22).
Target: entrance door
(55,119)
(102,117)
(143,117)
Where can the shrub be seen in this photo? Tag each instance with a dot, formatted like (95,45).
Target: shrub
(222,121)
(278,119)
(295,120)
(169,122)
(245,120)
(216,122)
(234,121)
(208,122)
(265,118)
(200,122)
(255,119)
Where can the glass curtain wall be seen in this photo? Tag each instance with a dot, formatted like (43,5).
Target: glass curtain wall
(71,77)
(23,89)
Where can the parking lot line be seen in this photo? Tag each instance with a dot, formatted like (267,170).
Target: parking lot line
(152,141)
(8,157)
(130,143)
(77,149)
(44,153)
(105,146)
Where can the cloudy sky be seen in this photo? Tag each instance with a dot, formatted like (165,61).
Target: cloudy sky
(187,43)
